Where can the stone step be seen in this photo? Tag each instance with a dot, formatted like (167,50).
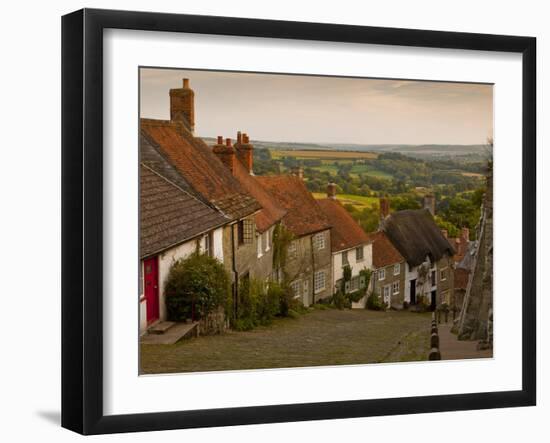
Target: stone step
(161,327)
(172,335)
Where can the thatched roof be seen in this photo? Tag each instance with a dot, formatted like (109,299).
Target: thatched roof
(415,235)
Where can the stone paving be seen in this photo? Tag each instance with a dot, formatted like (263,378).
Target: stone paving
(453,349)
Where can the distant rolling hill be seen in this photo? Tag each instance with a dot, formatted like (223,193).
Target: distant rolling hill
(428,150)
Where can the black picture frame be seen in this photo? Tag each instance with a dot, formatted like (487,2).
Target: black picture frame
(82,218)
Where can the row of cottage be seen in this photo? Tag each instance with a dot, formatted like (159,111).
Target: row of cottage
(197,196)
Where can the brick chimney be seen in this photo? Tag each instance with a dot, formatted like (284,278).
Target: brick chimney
(182,105)
(245,151)
(225,152)
(429,203)
(298,171)
(384,207)
(331,191)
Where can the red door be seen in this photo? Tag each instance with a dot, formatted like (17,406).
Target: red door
(151,277)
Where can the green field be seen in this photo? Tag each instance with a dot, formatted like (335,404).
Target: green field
(358,201)
(321,154)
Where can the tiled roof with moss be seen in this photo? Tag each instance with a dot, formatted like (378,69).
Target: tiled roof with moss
(383,252)
(271,211)
(200,167)
(346,232)
(304,216)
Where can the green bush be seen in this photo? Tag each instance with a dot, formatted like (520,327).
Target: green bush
(195,287)
(374,303)
(260,303)
(341,300)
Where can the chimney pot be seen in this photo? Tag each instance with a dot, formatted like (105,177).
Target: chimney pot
(331,191)
(239,137)
(220,139)
(246,140)
(186,83)
(228,142)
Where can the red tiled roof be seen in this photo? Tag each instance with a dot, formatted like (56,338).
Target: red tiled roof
(346,232)
(304,215)
(271,212)
(383,252)
(205,173)
(461,278)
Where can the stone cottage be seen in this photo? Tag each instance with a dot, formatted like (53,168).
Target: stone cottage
(350,246)
(308,266)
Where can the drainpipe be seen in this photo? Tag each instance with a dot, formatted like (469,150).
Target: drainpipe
(313,271)
(235,273)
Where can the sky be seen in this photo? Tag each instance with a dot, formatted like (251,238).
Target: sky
(294,108)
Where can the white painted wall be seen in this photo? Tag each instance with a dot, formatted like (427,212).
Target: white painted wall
(412,274)
(165,261)
(356,266)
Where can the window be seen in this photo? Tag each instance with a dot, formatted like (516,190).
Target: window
(433,277)
(295,286)
(443,274)
(260,250)
(245,231)
(395,287)
(446,297)
(345,260)
(292,249)
(359,253)
(381,274)
(267,240)
(396,269)
(347,287)
(354,284)
(319,240)
(319,281)
(209,245)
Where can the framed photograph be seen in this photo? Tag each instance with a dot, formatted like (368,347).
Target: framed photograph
(269,221)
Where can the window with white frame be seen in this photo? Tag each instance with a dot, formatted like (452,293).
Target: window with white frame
(395,287)
(260,250)
(345,260)
(382,274)
(354,284)
(319,240)
(359,253)
(296,286)
(443,274)
(396,269)
(319,281)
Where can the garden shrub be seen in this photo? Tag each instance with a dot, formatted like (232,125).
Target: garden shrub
(340,300)
(374,303)
(195,286)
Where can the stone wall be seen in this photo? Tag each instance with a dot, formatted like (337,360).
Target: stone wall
(476,316)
